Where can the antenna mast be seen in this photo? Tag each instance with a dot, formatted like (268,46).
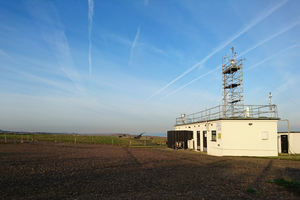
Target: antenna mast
(232,82)
(270,103)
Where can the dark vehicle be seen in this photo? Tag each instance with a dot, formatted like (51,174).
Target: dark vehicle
(139,136)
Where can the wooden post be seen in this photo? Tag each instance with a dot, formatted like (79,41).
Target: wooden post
(129,142)
(5,137)
(14,137)
(21,138)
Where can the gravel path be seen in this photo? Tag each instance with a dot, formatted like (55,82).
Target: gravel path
(41,170)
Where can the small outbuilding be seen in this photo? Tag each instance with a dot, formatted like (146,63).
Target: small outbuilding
(289,142)
(179,139)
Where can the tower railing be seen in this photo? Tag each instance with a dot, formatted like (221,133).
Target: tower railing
(242,112)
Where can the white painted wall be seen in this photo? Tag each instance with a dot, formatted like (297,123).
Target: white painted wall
(294,142)
(240,138)
(237,137)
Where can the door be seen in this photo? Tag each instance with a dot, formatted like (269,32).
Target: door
(205,141)
(284,144)
(198,140)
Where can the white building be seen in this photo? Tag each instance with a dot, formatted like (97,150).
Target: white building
(233,129)
(240,136)
(289,142)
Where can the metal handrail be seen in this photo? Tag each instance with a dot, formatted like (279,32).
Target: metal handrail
(223,112)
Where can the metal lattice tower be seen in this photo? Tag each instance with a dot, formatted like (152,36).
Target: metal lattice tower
(232,82)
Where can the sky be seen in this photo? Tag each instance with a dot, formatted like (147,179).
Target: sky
(131,66)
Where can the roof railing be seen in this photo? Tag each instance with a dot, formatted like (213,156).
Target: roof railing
(230,112)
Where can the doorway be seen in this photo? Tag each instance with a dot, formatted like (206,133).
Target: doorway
(198,141)
(205,141)
(284,144)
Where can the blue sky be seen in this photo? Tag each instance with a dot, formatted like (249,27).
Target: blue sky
(134,66)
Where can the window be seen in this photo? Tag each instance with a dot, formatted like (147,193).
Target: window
(192,135)
(214,135)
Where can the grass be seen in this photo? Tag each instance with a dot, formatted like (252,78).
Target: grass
(281,156)
(111,140)
(252,190)
(285,156)
(288,183)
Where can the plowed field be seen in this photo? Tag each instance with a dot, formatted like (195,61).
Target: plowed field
(41,170)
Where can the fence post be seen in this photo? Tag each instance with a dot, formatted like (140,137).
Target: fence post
(5,137)
(14,137)
(129,142)
(21,138)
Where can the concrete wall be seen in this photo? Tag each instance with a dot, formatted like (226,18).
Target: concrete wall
(237,137)
(294,142)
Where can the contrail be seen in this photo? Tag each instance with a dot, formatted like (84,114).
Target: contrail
(190,83)
(46,16)
(264,41)
(146,2)
(268,58)
(3,53)
(90,17)
(272,56)
(259,18)
(257,45)
(133,44)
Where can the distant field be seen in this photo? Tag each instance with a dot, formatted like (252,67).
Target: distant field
(112,140)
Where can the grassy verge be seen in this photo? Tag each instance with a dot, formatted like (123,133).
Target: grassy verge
(281,156)
(287,183)
(111,140)
(285,156)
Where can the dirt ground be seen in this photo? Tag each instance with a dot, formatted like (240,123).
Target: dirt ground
(41,170)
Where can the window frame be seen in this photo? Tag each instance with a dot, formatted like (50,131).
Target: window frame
(214,136)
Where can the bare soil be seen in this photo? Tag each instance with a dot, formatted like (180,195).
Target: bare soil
(41,170)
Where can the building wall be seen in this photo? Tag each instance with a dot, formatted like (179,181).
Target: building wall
(237,137)
(247,140)
(294,142)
